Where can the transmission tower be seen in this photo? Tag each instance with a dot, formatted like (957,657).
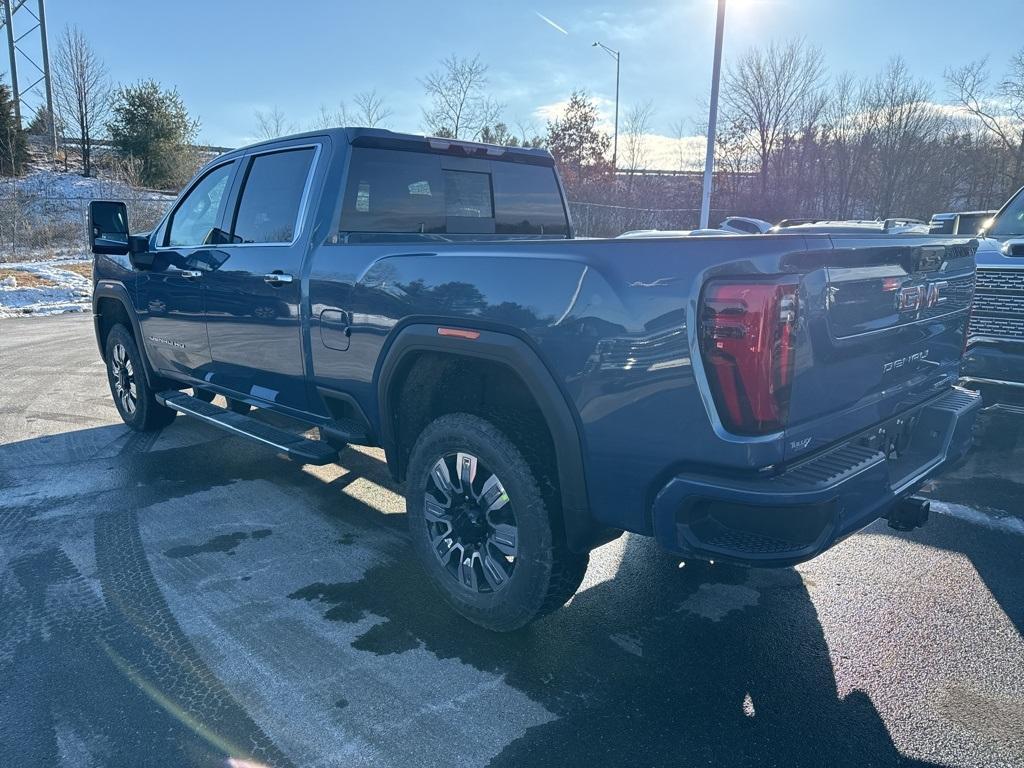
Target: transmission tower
(28,44)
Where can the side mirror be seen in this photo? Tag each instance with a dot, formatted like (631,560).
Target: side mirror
(108,227)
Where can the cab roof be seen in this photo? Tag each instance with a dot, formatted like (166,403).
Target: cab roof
(383,139)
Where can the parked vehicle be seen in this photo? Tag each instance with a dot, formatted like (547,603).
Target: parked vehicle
(964,223)
(745,225)
(995,344)
(792,223)
(635,233)
(891,226)
(754,400)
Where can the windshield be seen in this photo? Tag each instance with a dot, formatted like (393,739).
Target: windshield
(1010,222)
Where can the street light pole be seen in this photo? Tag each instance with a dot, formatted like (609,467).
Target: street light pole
(709,158)
(615,141)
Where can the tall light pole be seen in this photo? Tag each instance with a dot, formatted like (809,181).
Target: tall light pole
(709,158)
(615,55)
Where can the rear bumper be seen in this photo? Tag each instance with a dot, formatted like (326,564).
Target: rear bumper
(798,514)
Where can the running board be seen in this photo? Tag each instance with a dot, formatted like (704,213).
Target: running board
(298,448)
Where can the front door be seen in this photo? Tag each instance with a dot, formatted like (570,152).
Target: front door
(253,300)
(170,300)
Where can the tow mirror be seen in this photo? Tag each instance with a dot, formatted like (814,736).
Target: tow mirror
(108,227)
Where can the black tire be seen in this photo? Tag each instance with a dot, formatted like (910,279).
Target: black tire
(132,395)
(541,576)
(203,394)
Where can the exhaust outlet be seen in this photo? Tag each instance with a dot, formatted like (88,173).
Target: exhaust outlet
(909,513)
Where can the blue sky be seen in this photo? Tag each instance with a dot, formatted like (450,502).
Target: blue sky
(229,58)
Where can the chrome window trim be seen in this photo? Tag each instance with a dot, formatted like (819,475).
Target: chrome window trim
(303,202)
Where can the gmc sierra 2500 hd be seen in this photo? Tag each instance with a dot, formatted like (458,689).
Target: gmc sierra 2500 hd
(750,399)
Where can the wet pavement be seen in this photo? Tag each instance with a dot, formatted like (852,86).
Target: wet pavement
(190,598)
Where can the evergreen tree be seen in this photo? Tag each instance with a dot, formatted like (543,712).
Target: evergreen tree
(577,145)
(12,141)
(152,124)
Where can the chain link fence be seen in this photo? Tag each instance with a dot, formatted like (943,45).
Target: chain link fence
(601,220)
(39,224)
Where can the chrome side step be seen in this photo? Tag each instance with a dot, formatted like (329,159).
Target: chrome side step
(301,449)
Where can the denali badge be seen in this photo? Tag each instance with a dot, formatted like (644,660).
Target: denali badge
(168,342)
(900,362)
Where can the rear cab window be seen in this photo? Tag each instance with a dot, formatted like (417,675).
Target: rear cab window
(411,193)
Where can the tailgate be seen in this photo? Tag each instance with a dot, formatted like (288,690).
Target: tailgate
(884,324)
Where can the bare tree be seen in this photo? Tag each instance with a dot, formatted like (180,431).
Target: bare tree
(635,128)
(371,111)
(459,107)
(272,123)
(999,107)
(905,124)
(765,91)
(81,89)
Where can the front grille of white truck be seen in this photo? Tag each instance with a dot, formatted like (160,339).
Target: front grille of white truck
(998,309)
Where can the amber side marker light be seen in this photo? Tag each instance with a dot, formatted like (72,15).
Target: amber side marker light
(459,333)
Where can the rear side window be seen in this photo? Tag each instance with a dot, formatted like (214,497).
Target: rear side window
(527,200)
(391,191)
(394,191)
(268,209)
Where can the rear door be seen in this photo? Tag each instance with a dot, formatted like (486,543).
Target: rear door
(253,300)
(170,297)
(885,324)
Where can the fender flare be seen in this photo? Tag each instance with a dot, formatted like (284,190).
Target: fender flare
(582,534)
(111,289)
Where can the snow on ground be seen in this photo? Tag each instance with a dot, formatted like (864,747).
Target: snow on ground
(69,292)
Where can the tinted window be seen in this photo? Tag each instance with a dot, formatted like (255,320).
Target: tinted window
(394,191)
(467,194)
(195,217)
(268,210)
(527,201)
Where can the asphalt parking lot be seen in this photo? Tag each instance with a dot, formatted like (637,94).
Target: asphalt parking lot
(189,598)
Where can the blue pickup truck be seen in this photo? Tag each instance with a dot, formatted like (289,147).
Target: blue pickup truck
(746,399)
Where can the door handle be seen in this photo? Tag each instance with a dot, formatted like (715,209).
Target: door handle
(190,274)
(277,279)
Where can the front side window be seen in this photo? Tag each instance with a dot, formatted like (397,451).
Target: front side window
(1010,223)
(195,218)
(268,209)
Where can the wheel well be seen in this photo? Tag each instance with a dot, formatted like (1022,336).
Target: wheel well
(432,384)
(110,312)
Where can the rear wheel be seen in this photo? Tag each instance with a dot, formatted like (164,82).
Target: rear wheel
(481,528)
(132,395)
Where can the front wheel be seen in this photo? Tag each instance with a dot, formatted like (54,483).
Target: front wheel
(480,526)
(127,378)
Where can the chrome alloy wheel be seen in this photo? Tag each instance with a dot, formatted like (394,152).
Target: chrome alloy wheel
(123,372)
(471,523)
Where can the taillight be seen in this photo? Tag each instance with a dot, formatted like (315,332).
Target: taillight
(748,344)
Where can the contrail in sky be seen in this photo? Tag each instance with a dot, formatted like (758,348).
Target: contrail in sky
(549,22)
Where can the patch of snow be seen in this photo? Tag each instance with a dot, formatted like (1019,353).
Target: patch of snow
(70,292)
(985,518)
